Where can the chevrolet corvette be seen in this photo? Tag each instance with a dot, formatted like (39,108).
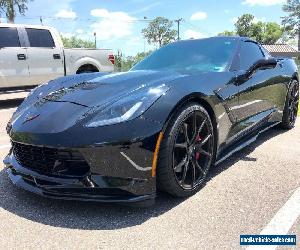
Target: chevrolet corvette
(162,125)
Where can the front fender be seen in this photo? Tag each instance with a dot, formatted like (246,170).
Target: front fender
(189,89)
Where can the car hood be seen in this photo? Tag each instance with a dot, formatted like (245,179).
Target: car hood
(67,103)
(97,89)
(76,97)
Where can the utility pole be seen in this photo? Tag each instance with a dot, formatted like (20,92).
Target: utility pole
(178,27)
(145,18)
(95,35)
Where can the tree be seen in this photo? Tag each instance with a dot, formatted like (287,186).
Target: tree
(159,31)
(227,33)
(123,63)
(118,61)
(244,24)
(266,32)
(141,55)
(263,32)
(74,42)
(292,20)
(257,31)
(9,8)
(273,32)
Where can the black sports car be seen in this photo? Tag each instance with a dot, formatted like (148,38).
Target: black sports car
(118,137)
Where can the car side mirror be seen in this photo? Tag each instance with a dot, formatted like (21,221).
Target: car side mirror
(266,63)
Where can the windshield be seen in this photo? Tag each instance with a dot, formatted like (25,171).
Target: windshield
(205,55)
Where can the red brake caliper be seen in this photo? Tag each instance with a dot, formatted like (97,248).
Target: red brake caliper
(198,138)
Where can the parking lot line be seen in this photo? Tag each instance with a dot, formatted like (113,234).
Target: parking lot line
(283,220)
(5,146)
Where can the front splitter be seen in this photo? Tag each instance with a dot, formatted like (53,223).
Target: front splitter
(71,190)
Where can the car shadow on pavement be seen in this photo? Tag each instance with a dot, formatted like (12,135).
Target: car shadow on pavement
(13,103)
(243,155)
(96,216)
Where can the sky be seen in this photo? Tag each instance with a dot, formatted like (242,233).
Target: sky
(118,23)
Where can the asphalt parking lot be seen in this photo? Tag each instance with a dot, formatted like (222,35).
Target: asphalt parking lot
(243,195)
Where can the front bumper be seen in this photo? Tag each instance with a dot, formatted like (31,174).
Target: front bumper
(117,159)
(89,188)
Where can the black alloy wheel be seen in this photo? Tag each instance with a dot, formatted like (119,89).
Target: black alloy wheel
(293,103)
(291,106)
(187,153)
(192,151)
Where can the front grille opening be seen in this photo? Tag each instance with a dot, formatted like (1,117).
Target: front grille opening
(50,160)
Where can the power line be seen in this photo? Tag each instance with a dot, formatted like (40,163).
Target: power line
(198,28)
(85,19)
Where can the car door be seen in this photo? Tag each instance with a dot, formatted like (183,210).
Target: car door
(257,91)
(45,58)
(13,59)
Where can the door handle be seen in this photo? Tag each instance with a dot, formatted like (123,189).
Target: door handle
(56,56)
(21,56)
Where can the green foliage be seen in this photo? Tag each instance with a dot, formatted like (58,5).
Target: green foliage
(263,32)
(257,32)
(160,32)
(8,7)
(243,25)
(272,32)
(141,55)
(127,63)
(227,33)
(291,22)
(74,42)
(118,61)
(123,63)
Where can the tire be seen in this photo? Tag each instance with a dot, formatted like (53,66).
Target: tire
(183,163)
(291,106)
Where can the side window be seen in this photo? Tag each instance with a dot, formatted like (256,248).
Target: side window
(40,38)
(250,53)
(9,37)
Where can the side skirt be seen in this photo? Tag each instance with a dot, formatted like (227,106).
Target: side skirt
(244,142)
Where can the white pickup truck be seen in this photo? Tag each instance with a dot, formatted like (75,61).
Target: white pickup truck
(31,55)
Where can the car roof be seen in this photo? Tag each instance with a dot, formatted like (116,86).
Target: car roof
(239,38)
(4,25)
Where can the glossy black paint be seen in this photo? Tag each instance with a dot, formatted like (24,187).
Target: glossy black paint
(120,156)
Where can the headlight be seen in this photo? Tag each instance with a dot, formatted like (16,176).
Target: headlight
(129,107)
